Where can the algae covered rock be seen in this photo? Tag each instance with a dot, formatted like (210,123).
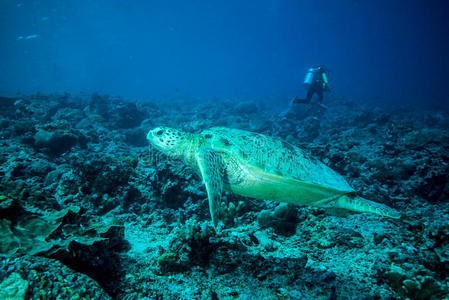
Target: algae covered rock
(23,231)
(5,202)
(35,277)
(105,174)
(246,107)
(54,142)
(283,219)
(87,244)
(410,285)
(13,287)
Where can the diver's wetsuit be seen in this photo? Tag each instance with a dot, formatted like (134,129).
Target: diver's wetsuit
(315,87)
(318,85)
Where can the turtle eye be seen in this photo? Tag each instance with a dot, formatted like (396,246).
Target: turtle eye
(160,132)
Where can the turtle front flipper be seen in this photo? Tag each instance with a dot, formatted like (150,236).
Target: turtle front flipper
(359,204)
(212,170)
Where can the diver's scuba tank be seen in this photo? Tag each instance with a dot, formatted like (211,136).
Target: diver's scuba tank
(309,77)
(324,76)
(325,82)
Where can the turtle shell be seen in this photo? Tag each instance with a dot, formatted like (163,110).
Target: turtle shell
(274,156)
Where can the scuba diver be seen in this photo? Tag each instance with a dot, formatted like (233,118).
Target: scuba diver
(316,82)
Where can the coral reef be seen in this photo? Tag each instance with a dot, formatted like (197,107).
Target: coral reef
(87,210)
(34,277)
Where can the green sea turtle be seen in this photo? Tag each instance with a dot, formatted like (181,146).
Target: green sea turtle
(262,167)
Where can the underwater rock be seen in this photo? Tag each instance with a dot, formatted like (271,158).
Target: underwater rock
(432,120)
(29,233)
(173,183)
(33,277)
(25,166)
(118,113)
(6,102)
(192,246)
(136,137)
(99,104)
(260,125)
(4,123)
(382,118)
(104,175)
(356,156)
(5,202)
(264,267)
(245,108)
(71,115)
(434,185)
(265,241)
(13,287)
(24,128)
(54,143)
(324,236)
(22,108)
(283,219)
(404,169)
(437,244)
(92,123)
(87,245)
(364,118)
(413,286)
(126,115)
(415,139)
(310,131)
(63,183)
(168,262)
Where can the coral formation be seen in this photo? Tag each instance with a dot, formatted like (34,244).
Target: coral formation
(87,210)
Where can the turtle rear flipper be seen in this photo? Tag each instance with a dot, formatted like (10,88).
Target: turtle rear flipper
(359,204)
(212,170)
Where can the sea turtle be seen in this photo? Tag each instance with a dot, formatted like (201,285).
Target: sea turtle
(262,167)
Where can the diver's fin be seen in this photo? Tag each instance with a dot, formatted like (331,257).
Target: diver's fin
(359,204)
(212,170)
(298,100)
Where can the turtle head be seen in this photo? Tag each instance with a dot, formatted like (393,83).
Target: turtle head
(167,140)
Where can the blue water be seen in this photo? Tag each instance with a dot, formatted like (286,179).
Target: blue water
(377,51)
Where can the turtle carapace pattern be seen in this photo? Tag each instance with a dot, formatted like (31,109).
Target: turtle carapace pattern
(262,167)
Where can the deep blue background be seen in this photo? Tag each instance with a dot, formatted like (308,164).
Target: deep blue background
(387,51)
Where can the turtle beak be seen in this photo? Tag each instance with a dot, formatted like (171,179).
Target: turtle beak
(150,136)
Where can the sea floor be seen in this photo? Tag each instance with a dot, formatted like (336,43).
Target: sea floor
(89,211)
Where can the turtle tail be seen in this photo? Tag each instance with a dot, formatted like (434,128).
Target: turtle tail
(359,204)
